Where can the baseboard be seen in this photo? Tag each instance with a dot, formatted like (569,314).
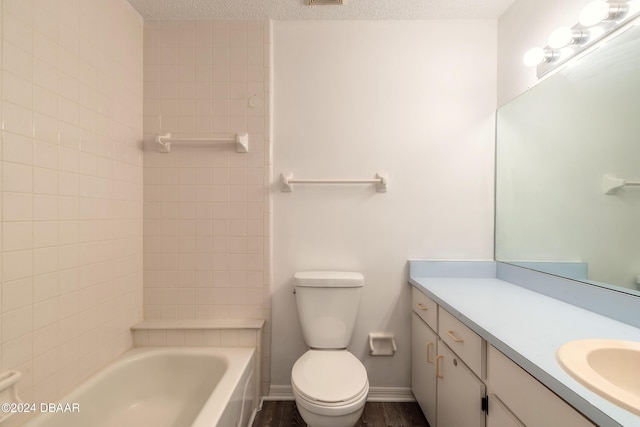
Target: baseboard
(390,394)
(376,394)
(279,392)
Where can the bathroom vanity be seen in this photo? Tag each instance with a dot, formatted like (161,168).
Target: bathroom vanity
(484,348)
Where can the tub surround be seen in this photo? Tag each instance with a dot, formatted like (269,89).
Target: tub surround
(507,306)
(213,333)
(207,244)
(72,179)
(206,333)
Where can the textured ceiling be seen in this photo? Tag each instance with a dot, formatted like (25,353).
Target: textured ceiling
(297,10)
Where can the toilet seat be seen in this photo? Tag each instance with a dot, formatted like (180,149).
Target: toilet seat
(329,377)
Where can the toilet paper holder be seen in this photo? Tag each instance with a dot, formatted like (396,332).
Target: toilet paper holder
(382,344)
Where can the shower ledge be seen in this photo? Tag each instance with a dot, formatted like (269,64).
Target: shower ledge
(199,324)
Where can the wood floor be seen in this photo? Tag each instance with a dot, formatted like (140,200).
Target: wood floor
(376,414)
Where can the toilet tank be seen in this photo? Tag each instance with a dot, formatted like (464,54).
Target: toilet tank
(327,304)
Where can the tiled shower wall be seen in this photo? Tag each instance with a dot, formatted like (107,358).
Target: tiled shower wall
(206,208)
(71,189)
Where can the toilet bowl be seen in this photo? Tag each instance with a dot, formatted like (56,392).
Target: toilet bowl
(330,388)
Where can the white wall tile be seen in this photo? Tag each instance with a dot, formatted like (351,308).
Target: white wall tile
(16,294)
(45,339)
(16,323)
(45,313)
(45,155)
(17,90)
(44,40)
(45,207)
(17,148)
(23,10)
(201,205)
(50,139)
(17,61)
(17,178)
(17,236)
(18,119)
(17,352)
(45,181)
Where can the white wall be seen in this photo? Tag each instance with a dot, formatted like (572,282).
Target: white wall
(412,99)
(71,189)
(527,24)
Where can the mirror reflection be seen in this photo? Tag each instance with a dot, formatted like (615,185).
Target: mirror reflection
(555,144)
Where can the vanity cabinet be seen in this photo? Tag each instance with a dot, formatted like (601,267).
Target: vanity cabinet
(448,391)
(459,380)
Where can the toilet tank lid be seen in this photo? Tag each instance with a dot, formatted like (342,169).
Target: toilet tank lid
(328,279)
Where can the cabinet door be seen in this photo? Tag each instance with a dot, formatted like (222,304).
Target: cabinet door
(533,403)
(460,392)
(499,415)
(423,372)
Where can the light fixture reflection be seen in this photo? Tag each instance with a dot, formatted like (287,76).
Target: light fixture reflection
(599,10)
(565,36)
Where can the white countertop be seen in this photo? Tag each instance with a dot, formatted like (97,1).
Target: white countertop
(529,327)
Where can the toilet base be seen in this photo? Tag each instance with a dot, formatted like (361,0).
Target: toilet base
(331,415)
(316,420)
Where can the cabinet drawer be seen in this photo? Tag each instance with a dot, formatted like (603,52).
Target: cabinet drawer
(532,402)
(426,308)
(468,345)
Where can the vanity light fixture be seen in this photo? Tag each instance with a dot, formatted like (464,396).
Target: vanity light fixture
(597,21)
(538,55)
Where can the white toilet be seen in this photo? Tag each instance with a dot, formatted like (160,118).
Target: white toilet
(330,384)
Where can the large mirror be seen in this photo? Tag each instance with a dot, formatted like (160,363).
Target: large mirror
(555,144)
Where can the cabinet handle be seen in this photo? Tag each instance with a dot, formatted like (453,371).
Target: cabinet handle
(429,346)
(453,337)
(438,359)
(423,307)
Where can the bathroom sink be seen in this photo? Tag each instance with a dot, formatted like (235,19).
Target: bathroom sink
(611,368)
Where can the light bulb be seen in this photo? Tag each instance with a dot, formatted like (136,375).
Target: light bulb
(536,56)
(600,10)
(561,37)
(634,7)
(594,12)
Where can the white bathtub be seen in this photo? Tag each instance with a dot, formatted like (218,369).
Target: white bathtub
(164,387)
